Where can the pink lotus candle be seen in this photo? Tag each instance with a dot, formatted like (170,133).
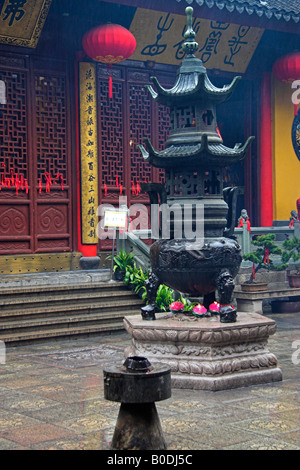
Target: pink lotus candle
(214,307)
(177,306)
(199,310)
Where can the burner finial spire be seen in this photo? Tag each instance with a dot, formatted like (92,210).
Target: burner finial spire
(190,45)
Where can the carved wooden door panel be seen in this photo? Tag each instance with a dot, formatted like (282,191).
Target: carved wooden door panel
(35,158)
(53,229)
(123,122)
(15,163)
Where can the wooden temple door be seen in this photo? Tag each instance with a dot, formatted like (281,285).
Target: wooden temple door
(35,159)
(123,122)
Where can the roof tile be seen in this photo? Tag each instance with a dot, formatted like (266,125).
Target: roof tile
(279,9)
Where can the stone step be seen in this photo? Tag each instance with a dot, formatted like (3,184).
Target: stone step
(77,320)
(68,309)
(40,307)
(19,336)
(34,303)
(65,278)
(12,294)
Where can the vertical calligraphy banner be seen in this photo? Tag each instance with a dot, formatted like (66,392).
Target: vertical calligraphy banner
(88,153)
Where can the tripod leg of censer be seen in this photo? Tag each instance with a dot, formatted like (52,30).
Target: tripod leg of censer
(138,428)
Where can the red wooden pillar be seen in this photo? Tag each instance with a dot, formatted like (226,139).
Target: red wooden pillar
(248,174)
(266,154)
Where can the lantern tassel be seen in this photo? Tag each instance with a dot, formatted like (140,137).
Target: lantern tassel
(110,87)
(110,93)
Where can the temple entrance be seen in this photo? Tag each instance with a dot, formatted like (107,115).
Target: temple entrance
(35,159)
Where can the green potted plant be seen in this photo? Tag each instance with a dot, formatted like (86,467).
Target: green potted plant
(122,262)
(164,297)
(262,259)
(129,275)
(135,278)
(292,251)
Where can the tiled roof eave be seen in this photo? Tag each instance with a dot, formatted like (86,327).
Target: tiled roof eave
(250,9)
(199,154)
(197,87)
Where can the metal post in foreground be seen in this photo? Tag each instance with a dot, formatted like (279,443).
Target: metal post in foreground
(138,385)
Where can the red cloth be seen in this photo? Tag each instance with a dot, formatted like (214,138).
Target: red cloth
(248,224)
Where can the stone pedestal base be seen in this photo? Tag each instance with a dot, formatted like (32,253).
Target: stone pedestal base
(138,428)
(89,262)
(250,305)
(205,354)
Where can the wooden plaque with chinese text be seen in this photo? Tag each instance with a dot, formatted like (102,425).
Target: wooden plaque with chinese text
(21,23)
(223,46)
(88,153)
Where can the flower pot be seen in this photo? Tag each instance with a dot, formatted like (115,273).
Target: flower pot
(294,280)
(254,287)
(119,275)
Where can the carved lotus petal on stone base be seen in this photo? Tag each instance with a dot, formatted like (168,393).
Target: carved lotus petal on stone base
(236,366)
(160,334)
(184,367)
(183,335)
(171,335)
(195,336)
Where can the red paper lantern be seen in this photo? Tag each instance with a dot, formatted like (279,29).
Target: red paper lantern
(287,69)
(109,44)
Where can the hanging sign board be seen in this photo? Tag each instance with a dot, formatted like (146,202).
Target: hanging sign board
(88,153)
(222,46)
(2,92)
(115,219)
(22,21)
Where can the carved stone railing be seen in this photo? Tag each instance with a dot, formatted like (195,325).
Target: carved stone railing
(132,241)
(244,236)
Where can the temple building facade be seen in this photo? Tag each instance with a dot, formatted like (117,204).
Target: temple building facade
(71,126)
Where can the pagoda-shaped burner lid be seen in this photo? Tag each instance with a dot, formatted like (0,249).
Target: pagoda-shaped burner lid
(194,140)
(192,81)
(203,155)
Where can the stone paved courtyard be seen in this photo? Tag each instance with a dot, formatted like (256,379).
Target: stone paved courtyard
(51,397)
